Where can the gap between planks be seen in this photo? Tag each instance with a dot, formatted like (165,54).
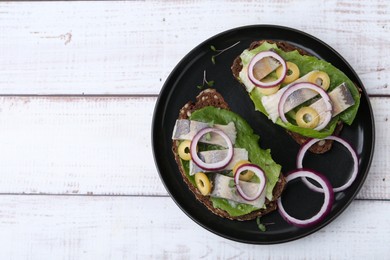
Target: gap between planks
(126,196)
(111,161)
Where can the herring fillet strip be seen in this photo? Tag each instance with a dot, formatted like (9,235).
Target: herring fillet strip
(264,67)
(186,129)
(341,98)
(214,156)
(300,96)
(271,102)
(223,190)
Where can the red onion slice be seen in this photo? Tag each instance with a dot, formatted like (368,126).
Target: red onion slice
(306,147)
(259,173)
(306,85)
(263,55)
(328,199)
(211,166)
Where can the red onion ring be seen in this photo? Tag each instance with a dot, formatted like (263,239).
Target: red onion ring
(294,87)
(308,144)
(259,173)
(326,207)
(211,166)
(257,58)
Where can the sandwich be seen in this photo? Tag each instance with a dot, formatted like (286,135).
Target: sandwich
(307,96)
(220,160)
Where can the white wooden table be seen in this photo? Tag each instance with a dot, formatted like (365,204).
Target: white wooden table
(78,85)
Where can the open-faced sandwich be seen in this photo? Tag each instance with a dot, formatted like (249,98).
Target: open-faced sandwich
(307,96)
(221,162)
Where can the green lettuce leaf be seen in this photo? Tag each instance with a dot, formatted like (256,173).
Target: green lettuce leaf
(306,64)
(245,139)
(234,209)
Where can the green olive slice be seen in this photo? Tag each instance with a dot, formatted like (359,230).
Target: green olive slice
(307,117)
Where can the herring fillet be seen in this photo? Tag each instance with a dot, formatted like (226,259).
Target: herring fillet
(214,156)
(223,189)
(297,98)
(186,129)
(264,67)
(341,98)
(271,102)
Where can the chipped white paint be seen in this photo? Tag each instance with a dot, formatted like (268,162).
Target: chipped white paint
(101,145)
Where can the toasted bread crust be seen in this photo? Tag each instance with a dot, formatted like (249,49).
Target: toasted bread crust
(210,97)
(318,148)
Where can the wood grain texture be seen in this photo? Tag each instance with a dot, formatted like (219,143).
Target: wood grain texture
(131,47)
(378,180)
(64,227)
(102,146)
(76,145)
(98,147)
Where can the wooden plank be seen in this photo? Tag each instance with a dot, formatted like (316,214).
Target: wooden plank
(102,145)
(73,227)
(378,180)
(131,47)
(77,145)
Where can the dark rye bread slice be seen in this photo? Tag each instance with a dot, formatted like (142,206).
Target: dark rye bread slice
(210,97)
(318,148)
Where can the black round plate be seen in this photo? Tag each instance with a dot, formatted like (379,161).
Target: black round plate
(181,87)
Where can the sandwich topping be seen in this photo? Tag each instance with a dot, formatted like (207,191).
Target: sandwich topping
(216,156)
(258,172)
(336,98)
(326,110)
(310,98)
(219,163)
(223,161)
(263,64)
(186,130)
(224,188)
